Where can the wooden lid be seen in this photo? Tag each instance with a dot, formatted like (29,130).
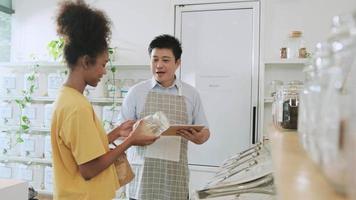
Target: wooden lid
(295,34)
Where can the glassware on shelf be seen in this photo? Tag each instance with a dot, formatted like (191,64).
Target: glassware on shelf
(351,130)
(296,45)
(311,98)
(274,87)
(125,85)
(335,117)
(309,74)
(285,107)
(342,40)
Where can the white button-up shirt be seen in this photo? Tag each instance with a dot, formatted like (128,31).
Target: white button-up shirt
(136,97)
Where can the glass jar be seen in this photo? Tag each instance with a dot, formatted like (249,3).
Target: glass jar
(295,85)
(351,130)
(334,109)
(295,44)
(309,74)
(286,105)
(311,98)
(274,87)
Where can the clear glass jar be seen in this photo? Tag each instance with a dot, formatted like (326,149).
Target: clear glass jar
(295,44)
(286,105)
(351,130)
(274,87)
(311,98)
(309,74)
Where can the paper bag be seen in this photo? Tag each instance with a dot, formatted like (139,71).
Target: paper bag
(123,170)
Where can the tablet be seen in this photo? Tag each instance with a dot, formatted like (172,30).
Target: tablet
(172,130)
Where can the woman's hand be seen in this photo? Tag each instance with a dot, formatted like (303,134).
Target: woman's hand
(121,131)
(125,128)
(195,136)
(141,135)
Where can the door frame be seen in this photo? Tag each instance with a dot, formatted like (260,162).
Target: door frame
(181,6)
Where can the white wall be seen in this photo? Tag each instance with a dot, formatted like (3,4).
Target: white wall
(313,17)
(135,23)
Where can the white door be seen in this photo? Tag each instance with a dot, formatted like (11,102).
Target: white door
(220,58)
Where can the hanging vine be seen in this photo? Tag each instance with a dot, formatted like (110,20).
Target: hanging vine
(110,86)
(25,100)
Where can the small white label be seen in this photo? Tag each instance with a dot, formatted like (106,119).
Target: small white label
(5,172)
(9,82)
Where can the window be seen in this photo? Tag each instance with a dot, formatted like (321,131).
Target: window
(5,29)
(5,36)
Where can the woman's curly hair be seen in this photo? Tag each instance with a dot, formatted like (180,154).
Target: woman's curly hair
(86,31)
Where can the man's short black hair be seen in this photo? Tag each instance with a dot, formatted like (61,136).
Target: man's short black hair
(166,42)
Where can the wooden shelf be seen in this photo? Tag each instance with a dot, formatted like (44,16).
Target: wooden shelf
(287,61)
(268,99)
(296,176)
(44,195)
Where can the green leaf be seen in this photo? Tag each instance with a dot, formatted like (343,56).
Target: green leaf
(31,77)
(25,127)
(32,89)
(19,139)
(28,99)
(25,119)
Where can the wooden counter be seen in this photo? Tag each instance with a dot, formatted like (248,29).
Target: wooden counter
(296,176)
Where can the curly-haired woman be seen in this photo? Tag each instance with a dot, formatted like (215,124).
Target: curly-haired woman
(82,162)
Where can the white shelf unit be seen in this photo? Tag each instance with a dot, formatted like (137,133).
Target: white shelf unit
(26,160)
(57,65)
(94,100)
(35,130)
(134,73)
(276,69)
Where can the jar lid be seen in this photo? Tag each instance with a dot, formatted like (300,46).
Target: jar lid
(295,34)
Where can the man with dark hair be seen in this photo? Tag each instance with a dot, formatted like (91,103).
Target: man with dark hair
(164,177)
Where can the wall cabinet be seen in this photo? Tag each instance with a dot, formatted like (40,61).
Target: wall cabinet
(284,70)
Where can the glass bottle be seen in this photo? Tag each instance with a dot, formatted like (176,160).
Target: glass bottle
(322,62)
(309,75)
(274,86)
(295,43)
(286,105)
(336,117)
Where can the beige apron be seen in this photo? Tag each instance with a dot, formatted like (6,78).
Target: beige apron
(160,179)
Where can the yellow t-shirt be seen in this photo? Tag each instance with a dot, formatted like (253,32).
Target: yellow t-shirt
(77,137)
